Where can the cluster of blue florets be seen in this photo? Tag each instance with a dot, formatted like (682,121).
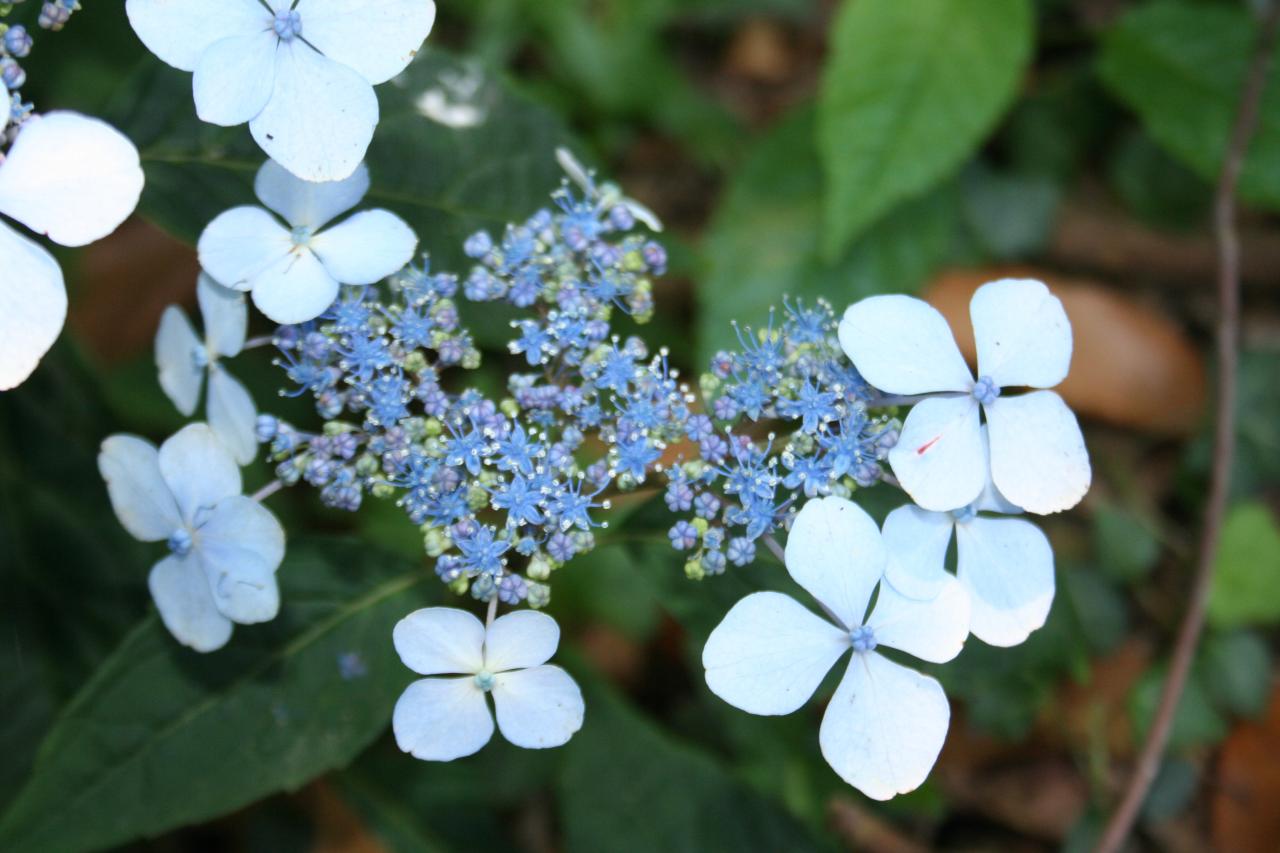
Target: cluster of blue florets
(505,489)
(15,44)
(787,417)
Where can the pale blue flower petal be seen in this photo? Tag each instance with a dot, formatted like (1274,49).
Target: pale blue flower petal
(1007,566)
(139,495)
(186,606)
(225,315)
(519,640)
(199,471)
(240,546)
(835,551)
(378,38)
(366,248)
(537,708)
(181,373)
(33,306)
(440,719)
(232,415)
(234,78)
(440,641)
(307,203)
(180,32)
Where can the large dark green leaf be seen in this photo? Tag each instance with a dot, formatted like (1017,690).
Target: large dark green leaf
(161,737)
(628,786)
(764,240)
(910,91)
(446,182)
(1180,66)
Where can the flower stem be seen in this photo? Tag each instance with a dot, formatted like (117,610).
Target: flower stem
(267,491)
(1224,215)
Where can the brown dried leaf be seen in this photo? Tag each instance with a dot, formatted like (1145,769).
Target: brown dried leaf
(1244,814)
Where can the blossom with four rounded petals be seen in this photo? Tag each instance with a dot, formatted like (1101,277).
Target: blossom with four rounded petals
(440,719)
(73,179)
(901,345)
(225,547)
(295,273)
(300,72)
(1005,564)
(183,359)
(886,723)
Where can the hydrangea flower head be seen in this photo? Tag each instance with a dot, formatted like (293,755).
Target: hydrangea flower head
(886,723)
(294,273)
(439,719)
(1038,459)
(225,548)
(183,359)
(300,72)
(1005,564)
(73,179)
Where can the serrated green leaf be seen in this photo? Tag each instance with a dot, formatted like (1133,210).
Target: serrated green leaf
(1180,66)
(161,736)
(445,182)
(911,89)
(764,240)
(1247,573)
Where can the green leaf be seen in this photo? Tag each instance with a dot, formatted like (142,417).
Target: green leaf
(445,182)
(1010,214)
(1172,790)
(1195,723)
(1180,66)
(628,786)
(1247,573)
(161,736)
(1126,548)
(763,241)
(1236,668)
(911,89)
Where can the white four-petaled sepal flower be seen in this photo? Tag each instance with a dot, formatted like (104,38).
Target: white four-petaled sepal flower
(301,72)
(901,345)
(295,273)
(440,719)
(225,547)
(1005,564)
(73,179)
(183,358)
(886,723)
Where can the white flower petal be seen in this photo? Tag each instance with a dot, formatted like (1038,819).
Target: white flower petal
(520,639)
(573,167)
(225,314)
(1038,457)
(835,551)
(1007,566)
(378,38)
(232,415)
(884,727)
(916,541)
(366,248)
(439,641)
(180,31)
(308,203)
(240,244)
(440,719)
(939,457)
(241,546)
(770,653)
(33,306)
(235,78)
(71,177)
(181,378)
(185,603)
(198,469)
(139,494)
(537,708)
(903,345)
(1022,333)
(933,630)
(296,289)
(320,119)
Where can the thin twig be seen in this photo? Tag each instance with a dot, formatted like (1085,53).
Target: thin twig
(254,343)
(1224,216)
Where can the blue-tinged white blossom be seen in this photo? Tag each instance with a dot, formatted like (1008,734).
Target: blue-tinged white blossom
(183,359)
(537,705)
(1023,337)
(224,547)
(886,723)
(294,273)
(74,179)
(300,73)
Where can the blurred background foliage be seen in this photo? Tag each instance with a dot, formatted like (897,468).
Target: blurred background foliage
(794,147)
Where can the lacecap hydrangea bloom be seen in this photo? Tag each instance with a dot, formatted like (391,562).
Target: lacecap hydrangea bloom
(886,723)
(224,547)
(300,72)
(439,719)
(294,272)
(1038,460)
